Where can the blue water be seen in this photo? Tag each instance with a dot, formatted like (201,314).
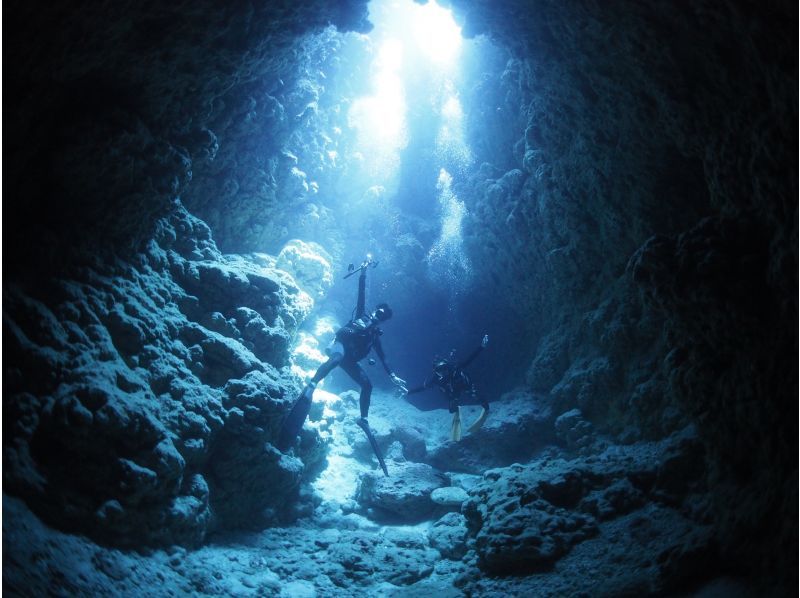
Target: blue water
(405,196)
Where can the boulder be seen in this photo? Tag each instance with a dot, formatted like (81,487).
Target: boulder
(405,496)
(526,517)
(573,430)
(449,535)
(518,426)
(449,496)
(412,441)
(309,264)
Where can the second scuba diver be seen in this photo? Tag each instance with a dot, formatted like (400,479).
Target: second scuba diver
(455,384)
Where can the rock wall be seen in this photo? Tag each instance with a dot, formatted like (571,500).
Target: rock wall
(145,372)
(141,398)
(115,112)
(633,121)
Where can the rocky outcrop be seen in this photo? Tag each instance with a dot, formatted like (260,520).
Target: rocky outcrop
(518,427)
(526,517)
(142,398)
(741,408)
(131,105)
(670,123)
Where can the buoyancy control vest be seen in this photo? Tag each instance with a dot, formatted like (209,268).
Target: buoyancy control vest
(455,382)
(358,336)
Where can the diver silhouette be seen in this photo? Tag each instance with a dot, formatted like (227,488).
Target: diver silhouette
(451,379)
(351,344)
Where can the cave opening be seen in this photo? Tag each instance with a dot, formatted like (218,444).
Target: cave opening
(605,192)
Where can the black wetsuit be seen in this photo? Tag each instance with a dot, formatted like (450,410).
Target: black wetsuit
(453,382)
(358,337)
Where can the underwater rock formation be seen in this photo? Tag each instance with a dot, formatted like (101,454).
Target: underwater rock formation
(518,427)
(143,402)
(406,496)
(182,192)
(651,161)
(525,518)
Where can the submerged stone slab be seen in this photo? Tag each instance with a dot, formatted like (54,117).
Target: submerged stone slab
(404,496)
(449,496)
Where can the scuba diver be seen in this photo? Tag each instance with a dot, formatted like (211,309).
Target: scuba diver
(451,380)
(351,344)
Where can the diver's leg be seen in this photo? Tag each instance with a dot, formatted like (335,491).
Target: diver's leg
(334,360)
(357,373)
(297,416)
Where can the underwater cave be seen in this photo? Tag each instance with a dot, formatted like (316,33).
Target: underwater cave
(195,192)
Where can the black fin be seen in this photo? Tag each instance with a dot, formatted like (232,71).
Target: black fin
(364,426)
(294,421)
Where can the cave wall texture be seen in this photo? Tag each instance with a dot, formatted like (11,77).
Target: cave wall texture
(634,199)
(657,184)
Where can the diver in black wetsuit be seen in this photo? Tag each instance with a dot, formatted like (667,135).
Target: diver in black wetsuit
(353,343)
(451,380)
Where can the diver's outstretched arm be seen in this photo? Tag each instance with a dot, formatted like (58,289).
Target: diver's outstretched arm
(397,380)
(424,386)
(362,293)
(381,355)
(475,353)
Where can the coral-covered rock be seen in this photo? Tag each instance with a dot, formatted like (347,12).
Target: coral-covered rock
(449,535)
(413,442)
(405,496)
(575,431)
(449,496)
(170,411)
(310,265)
(550,362)
(400,557)
(525,517)
(518,425)
(251,483)
(518,530)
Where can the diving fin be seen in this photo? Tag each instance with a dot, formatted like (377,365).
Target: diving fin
(455,430)
(478,422)
(364,425)
(294,421)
